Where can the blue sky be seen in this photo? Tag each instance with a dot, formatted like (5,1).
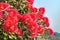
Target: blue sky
(52,12)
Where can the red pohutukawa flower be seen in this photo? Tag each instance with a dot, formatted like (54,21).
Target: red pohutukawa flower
(50,31)
(4,6)
(19,16)
(34,16)
(45,19)
(41,30)
(26,18)
(33,35)
(19,33)
(47,24)
(9,27)
(30,1)
(12,12)
(34,9)
(40,16)
(41,10)
(14,20)
(33,27)
(1,14)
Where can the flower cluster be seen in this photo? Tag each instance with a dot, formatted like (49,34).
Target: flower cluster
(31,20)
(10,20)
(35,21)
(33,17)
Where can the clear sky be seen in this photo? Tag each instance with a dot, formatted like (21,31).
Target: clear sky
(52,12)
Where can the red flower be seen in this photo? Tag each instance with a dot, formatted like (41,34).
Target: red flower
(33,35)
(9,27)
(41,10)
(47,24)
(41,30)
(19,33)
(45,19)
(32,24)
(34,16)
(13,19)
(1,14)
(10,24)
(40,15)
(33,28)
(19,16)
(50,31)
(34,9)
(4,6)
(30,1)
(12,12)
(26,17)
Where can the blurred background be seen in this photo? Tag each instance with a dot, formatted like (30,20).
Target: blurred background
(52,12)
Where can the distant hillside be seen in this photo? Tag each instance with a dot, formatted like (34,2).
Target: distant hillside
(57,34)
(55,37)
